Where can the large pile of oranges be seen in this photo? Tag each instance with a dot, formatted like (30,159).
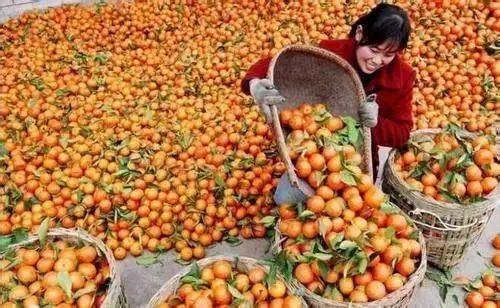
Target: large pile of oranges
(58,274)
(346,242)
(220,284)
(127,120)
(450,166)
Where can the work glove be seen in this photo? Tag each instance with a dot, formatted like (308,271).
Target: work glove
(368,111)
(265,95)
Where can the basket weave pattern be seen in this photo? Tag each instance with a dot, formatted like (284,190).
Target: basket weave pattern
(243,264)
(115,297)
(449,228)
(307,74)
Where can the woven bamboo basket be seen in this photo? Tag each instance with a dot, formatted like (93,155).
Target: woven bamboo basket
(115,297)
(400,298)
(241,263)
(307,74)
(449,228)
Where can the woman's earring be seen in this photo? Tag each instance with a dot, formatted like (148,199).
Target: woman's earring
(359,33)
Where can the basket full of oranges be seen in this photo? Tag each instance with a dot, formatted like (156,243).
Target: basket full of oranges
(61,267)
(220,281)
(447,182)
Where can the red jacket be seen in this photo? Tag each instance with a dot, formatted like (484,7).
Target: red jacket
(393,84)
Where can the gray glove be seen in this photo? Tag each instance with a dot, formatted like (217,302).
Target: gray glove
(368,112)
(265,94)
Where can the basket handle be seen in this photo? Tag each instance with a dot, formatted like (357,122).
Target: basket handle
(283,148)
(447,227)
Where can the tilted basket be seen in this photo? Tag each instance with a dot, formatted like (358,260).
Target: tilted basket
(307,74)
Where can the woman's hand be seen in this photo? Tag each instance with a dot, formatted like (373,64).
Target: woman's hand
(368,112)
(265,94)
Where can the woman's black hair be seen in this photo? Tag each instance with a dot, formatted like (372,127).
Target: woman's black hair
(384,23)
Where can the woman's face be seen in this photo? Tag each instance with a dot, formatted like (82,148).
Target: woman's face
(373,57)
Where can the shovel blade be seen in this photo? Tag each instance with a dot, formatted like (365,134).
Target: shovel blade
(288,193)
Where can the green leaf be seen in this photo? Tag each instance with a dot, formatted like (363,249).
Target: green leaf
(348,178)
(195,271)
(64,281)
(193,281)
(322,227)
(270,277)
(234,292)
(475,199)
(476,284)
(448,196)
(414,235)
(20,235)
(419,170)
(321,256)
(148,260)
(82,292)
(268,221)
(463,160)
(354,132)
(15,262)
(347,244)
(347,267)
(390,233)
(355,136)
(301,239)
(321,117)
(337,240)
(5,241)
(443,292)
(306,215)
(43,230)
(232,241)
(389,208)
(362,265)
(3,149)
(323,268)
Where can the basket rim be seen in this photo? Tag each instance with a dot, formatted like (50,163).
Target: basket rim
(390,175)
(115,286)
(360,93)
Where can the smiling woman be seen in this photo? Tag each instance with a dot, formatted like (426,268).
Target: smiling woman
(373,49)
(380,35)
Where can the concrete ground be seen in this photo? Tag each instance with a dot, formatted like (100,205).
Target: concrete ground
(141,283)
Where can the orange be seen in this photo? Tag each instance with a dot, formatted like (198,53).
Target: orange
(483,157)
(496,241)
(317,161)
(303,273)
(375,290)
(474,299)
(222,269)
(405,267)
(277,289)
(381,272)
(346,285)
(315,204)
(373,197)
